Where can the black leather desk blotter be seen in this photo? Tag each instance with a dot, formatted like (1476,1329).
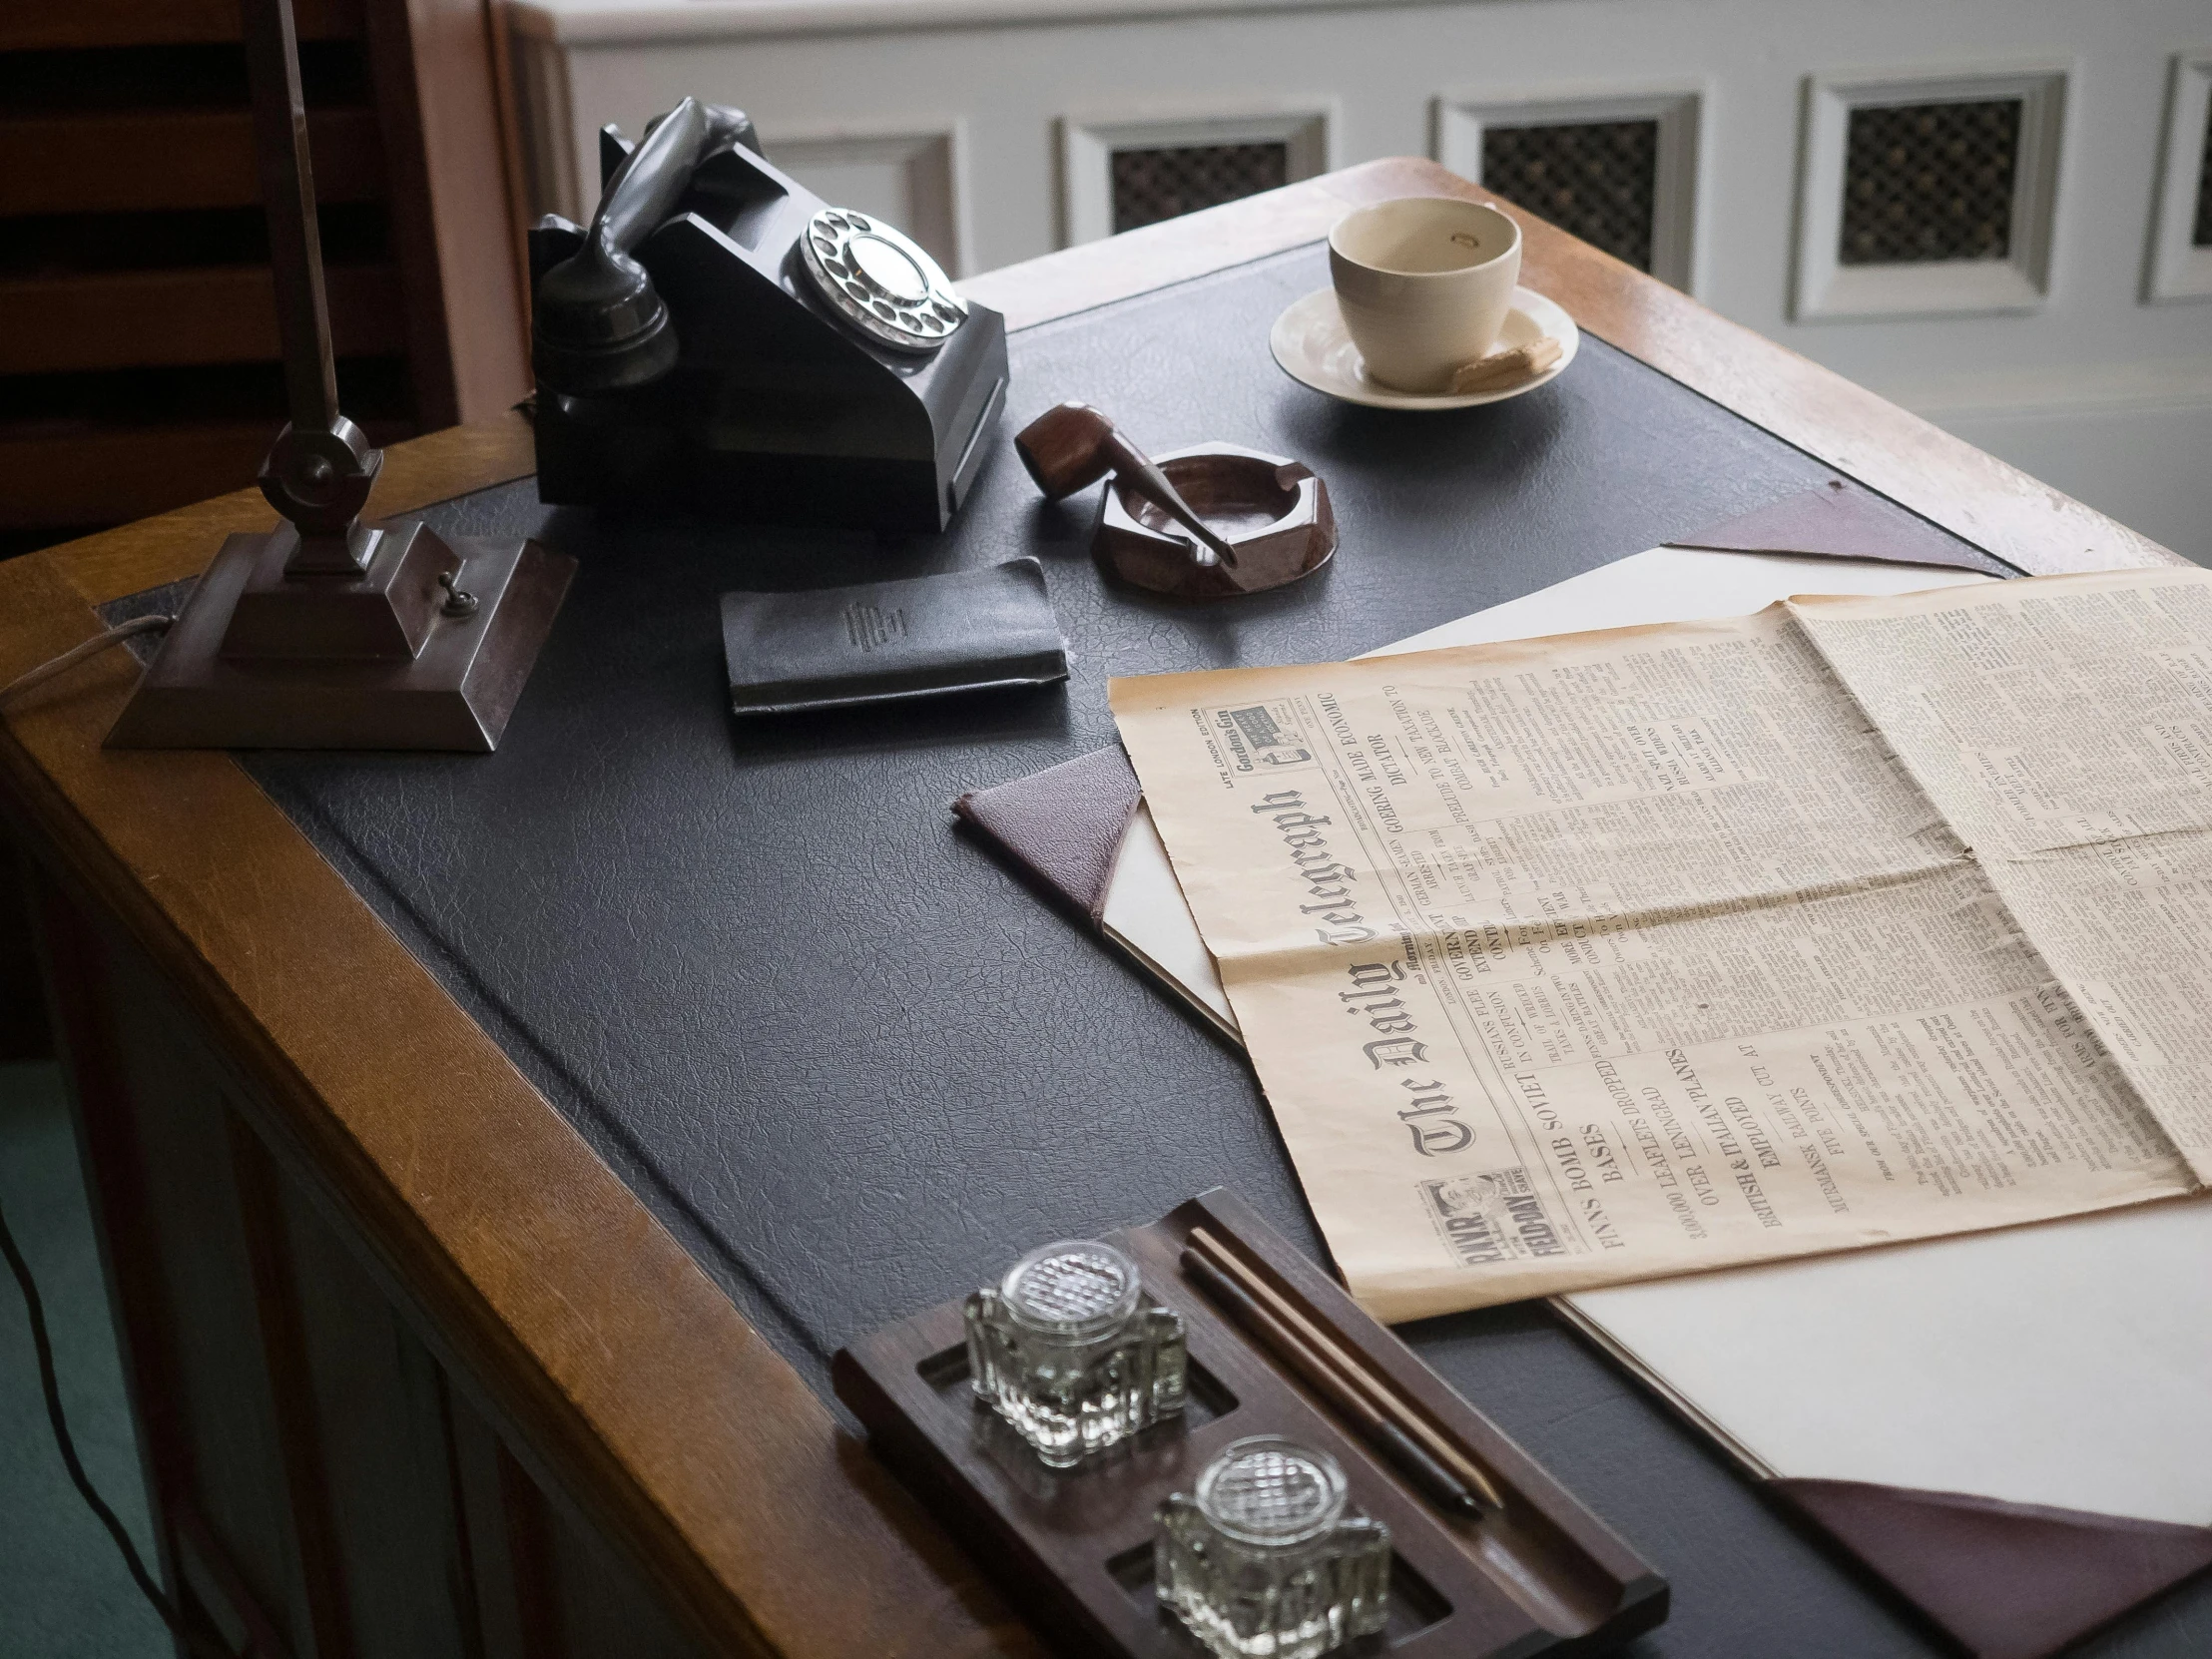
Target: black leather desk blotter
(846,1062)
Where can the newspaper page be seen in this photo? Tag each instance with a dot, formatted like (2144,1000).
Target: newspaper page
(1574,961)
(2063,728)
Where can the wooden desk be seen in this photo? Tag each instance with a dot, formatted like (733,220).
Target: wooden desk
(418,1374)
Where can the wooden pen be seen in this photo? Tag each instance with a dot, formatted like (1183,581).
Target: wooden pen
(1391,1442)
(1380,1394)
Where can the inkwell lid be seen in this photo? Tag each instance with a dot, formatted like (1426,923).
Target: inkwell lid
(1074,1291)
(1267,1490)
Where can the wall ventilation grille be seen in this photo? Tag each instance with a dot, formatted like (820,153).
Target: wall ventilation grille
(2202,237)
(1152,184)
(1598,180)
(1925,182)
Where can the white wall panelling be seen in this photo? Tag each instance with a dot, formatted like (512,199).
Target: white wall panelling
(2178,270)
(912,172)
(1460,118)
(1826,288)
(2090,372)
(2138,456)
(1089,138)
(909,174)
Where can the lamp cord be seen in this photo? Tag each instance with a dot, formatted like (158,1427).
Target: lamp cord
(78,653)
(194,1641)
(42,1345)
(34,1308)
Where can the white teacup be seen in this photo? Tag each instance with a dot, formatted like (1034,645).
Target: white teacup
(1424,283)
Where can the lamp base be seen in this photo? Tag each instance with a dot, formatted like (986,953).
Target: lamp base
(456,693)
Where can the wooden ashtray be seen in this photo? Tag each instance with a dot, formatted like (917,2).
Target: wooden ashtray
(1272,511)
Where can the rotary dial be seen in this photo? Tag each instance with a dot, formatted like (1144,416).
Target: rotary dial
(881,281)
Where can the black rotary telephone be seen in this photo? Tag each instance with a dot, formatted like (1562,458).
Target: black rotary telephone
(723,339)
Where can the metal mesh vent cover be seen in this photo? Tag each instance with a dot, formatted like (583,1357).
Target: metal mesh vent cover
(1153,184)
(1598,178)
(1925,181)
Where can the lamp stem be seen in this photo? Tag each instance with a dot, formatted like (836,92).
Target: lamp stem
(288,194)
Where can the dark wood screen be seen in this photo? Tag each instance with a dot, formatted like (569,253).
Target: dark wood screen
(137,368)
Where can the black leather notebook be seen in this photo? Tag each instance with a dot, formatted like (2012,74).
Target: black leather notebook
(877,642)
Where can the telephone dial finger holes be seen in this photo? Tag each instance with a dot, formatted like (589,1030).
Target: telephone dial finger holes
(880,280)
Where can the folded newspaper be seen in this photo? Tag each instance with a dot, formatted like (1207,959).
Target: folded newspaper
(1573,961)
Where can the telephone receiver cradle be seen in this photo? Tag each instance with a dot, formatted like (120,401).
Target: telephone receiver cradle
(720,339)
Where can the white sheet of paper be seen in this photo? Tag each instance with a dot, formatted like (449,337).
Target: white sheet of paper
(2067,1363)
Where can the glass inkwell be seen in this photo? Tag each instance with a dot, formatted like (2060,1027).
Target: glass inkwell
(1069,1352)
(1264,1563)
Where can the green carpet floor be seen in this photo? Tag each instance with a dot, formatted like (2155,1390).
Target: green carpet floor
(63,1591)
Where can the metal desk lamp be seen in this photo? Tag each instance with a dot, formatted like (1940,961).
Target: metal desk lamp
(329,633)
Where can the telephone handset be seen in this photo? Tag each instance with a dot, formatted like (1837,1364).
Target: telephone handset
(599,325)
(720,338)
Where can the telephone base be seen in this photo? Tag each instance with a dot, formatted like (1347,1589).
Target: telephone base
(592,457)
(788,402)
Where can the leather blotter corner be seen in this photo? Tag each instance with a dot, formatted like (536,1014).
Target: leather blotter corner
(1840,521)
(2008,1580)
(1063,824)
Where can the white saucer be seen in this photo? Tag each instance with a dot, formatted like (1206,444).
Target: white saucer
(1310,344)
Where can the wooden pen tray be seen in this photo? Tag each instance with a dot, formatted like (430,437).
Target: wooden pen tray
(1074,1547)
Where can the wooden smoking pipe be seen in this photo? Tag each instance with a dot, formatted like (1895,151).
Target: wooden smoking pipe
(1073,447)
